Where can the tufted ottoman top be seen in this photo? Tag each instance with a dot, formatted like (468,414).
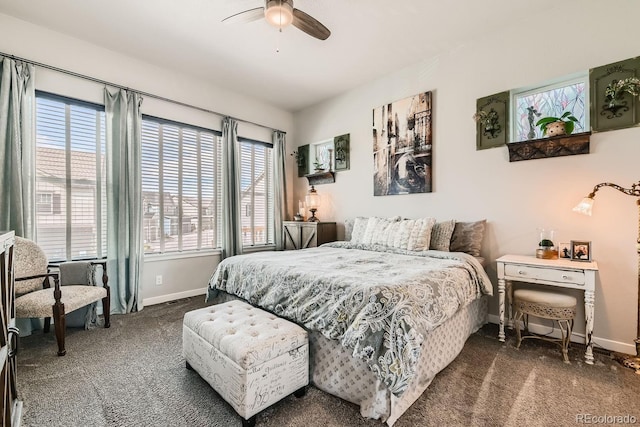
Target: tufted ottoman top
(549,299)
(245,334)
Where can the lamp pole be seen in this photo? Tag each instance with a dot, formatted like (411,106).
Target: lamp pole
(632,362)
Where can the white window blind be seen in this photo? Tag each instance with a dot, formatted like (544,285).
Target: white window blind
(181,187)
(70,178)
(256,186)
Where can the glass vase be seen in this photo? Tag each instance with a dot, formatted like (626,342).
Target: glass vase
(547,248)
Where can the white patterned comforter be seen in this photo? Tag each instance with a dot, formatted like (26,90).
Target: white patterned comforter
(379,302)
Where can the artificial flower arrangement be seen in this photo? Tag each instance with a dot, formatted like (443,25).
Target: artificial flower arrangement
(617,88)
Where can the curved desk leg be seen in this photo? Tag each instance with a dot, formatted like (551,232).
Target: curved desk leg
(589,301)
(501,290)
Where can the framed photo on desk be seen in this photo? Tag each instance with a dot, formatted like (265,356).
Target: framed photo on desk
(580,251)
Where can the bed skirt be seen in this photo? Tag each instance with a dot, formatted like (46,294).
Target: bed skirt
(335,371)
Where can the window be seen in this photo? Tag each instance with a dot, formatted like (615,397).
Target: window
(552,100)
(44,203)
(256,187)
(181,187)
(70,178)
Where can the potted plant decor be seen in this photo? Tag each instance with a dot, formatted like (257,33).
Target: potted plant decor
(554,126)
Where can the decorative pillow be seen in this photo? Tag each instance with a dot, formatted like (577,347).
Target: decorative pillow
(420,235)
(467,237)
(359,227)
(376,224)
(441,235)
(400,237)
(375,227)
(348,228)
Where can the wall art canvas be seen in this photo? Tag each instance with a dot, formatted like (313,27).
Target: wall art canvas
(402,146)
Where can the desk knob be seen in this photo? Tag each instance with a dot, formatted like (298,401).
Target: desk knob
(522,273)
(565,277)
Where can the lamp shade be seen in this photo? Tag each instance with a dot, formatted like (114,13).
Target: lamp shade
(585,206)
(279,13)
(312,199)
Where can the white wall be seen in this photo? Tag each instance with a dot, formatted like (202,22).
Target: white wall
(515,198)
(183,276)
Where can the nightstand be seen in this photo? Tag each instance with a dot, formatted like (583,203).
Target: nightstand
(561,273)
(302,235)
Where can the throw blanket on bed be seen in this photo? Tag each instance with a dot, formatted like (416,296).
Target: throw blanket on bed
(377,301)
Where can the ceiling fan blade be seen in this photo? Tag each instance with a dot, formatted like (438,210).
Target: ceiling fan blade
(310,25)
(246,16)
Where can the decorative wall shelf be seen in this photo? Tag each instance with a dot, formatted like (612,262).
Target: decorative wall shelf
(321,178)
(564,145)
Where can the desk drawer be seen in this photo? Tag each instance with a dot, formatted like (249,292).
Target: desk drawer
(527,273)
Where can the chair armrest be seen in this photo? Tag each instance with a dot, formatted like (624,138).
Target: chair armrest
(45,283)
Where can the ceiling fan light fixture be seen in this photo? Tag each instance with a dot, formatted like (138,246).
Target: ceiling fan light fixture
(279,13)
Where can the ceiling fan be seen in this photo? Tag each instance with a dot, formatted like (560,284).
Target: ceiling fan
(281,13)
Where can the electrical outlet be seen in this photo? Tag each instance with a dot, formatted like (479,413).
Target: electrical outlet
(159,280)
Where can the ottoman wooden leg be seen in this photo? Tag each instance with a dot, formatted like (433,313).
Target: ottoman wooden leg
(300,392)
(251,422)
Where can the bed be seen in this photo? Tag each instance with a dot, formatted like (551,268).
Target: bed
(384,311)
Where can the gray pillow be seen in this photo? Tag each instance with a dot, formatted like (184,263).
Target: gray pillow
(441,235)
(467,237)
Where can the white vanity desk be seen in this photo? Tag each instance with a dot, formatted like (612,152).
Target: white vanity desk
(561,273)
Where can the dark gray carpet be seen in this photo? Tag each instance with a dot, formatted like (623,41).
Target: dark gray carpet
(133,374)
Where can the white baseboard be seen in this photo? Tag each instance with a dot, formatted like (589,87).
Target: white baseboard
(172,297)
(610,345)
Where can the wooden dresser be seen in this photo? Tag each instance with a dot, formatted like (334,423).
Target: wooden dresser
(11,407)
(302,235)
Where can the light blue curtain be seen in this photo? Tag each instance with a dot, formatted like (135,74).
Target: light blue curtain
(17,157)
(279,186)
(124,199)
(17,146)
(231,206)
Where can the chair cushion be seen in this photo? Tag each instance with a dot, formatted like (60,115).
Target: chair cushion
(549,299)
(40,303)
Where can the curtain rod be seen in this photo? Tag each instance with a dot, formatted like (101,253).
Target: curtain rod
(147,94)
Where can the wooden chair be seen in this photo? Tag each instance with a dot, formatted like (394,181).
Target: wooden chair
(36,298)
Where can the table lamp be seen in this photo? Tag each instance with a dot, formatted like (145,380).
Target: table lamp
(312,200)
(585,207)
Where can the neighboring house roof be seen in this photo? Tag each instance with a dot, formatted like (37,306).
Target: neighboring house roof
(51,163)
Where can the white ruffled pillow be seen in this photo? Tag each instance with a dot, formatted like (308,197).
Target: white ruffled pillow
(359,227)
(368,229)
(420,235)
(408,234)
(376,227)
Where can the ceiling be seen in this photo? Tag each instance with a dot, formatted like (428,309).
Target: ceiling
(290,70)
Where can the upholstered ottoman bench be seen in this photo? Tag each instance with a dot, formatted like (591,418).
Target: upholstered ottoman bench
(249,356)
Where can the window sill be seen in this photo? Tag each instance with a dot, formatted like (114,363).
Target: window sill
(556,146)
(181,255)
(250,249)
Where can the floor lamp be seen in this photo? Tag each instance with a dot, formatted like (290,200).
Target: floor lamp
(584,207)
